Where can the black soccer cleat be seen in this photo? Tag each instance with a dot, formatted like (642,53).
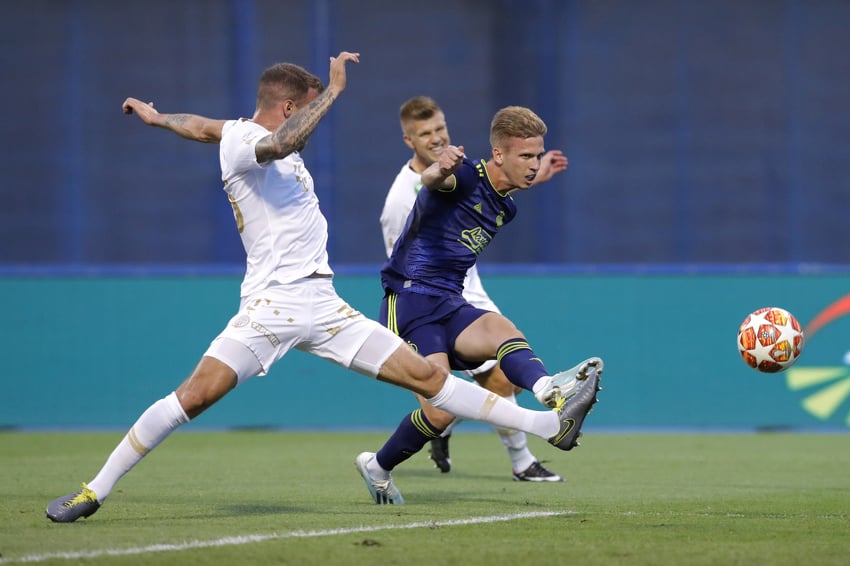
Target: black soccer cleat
(439,453)
(572,412)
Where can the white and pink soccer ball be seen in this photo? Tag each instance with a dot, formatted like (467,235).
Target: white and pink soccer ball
(770,339)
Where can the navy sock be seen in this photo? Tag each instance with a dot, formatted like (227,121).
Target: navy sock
(412,434)
(520,364)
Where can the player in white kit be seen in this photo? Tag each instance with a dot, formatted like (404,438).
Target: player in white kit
(426,133)
(288,299)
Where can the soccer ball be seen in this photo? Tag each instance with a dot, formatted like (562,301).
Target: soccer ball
(770,339)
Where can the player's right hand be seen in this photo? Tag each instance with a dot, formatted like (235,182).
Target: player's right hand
(144,110)
(450,159)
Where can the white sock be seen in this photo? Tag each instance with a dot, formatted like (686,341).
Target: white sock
(540,384)
(448,430)
(469,401)
(375,470)
(155,424)
(516,443)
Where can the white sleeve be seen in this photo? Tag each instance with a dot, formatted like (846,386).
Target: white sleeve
(473,291)
(397,207)
(238,146)
(393,217)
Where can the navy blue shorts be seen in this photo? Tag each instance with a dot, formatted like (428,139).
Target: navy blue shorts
(430,324)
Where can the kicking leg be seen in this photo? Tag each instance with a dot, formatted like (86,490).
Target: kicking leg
(444,391)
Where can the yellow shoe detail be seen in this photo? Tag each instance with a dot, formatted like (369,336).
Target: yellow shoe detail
(85,496)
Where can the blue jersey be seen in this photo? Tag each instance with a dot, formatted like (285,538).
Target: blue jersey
(445,232)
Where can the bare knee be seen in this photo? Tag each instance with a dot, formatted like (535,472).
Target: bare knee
(436,378)
(430,378)
(209,382)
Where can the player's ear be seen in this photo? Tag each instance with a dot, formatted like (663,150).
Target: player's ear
(288,108)
(407,141)
(498,158)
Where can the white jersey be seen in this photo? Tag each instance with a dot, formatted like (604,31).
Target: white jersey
(284,233)
(285,237)
(397,207)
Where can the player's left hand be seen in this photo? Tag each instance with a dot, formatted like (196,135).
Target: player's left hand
(553,161)
(338,78)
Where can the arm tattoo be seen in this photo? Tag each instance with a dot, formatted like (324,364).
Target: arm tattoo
(194,127)
(292,135)
(176,120)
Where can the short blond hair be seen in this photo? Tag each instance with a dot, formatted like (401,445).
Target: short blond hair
(417,108)
(515,122)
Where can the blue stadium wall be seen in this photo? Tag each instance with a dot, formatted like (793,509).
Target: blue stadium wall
(697,132)
(93,352)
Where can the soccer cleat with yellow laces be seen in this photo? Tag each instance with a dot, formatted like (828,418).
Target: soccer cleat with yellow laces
(69,508)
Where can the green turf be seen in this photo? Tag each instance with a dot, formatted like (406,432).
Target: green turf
(629,499)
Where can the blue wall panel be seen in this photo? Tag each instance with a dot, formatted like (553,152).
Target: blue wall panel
(697,132)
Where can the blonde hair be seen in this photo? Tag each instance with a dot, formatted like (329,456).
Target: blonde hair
(417,108)
(515,122)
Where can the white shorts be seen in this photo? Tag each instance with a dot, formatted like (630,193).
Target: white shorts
(307,315)
(483,368)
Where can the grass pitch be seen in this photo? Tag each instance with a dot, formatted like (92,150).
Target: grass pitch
(296,498)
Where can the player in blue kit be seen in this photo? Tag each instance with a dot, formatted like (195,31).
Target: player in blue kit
(451,223)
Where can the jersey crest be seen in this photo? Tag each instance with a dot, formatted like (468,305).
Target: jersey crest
(475,240)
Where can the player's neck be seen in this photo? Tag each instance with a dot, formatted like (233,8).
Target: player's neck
(498,179)
(269,120)
(417,164)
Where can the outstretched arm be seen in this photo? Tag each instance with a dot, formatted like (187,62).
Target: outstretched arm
(293,133)
(553,161)
(441,173)
(189,126)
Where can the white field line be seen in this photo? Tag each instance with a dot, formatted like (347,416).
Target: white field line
(251,539)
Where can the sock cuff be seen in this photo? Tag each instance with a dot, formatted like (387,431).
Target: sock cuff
(511,346)
(420,421)
(445,393)
(176,409)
